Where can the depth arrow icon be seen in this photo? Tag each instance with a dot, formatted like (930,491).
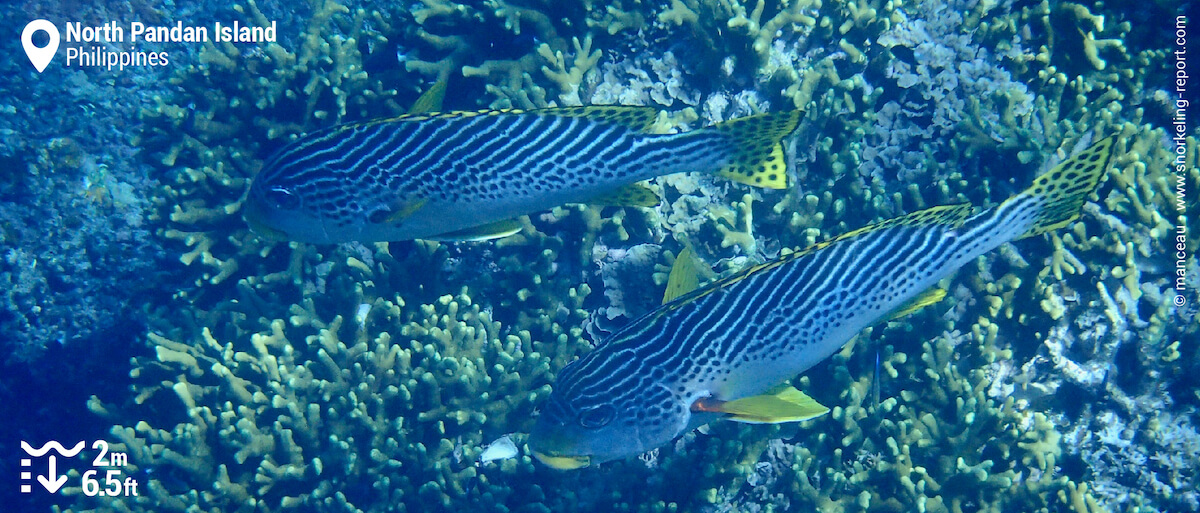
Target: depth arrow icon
(52,483)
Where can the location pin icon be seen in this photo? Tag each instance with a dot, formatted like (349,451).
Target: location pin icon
(40,57)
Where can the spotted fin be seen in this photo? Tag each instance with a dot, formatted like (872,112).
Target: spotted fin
(684,277)
(496,230)
(758,158)
(789,405)
(926,298)
(1064,189)
(632,195)
(431,100)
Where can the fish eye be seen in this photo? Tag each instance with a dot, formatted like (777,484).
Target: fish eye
(282,198)
(597,416)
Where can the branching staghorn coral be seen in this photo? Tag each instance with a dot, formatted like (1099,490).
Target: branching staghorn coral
(233,110)
(825,58)
(382,411)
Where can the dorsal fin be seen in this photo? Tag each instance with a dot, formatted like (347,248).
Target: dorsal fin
(635,118)
(949,215)
(945,215)
(425,116)
(684,276)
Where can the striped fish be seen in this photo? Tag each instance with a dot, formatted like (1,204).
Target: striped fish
(720,351)
(467,175)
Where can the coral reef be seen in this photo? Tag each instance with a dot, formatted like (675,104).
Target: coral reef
(937,444)
(74,230)
(80,267)
(387,410)
(368,377)
(232,110)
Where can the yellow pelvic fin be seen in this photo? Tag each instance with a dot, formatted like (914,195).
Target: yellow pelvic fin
(758,157)
(789,405)
(431,100)
(496,230)
(1066,187)
(684,277)
(632,195)
(926,298)
(563,462)
(635,118)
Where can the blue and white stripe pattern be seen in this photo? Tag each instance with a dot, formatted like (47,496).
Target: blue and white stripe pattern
(746,334)
(430,174)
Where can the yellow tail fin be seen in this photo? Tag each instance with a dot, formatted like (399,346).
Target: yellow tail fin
(759,158)
(1066,187)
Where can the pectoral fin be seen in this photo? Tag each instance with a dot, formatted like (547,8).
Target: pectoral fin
(789,405)
(398,213)
(926,298)
(496,230)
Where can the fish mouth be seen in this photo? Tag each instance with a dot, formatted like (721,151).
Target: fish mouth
(563,462)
